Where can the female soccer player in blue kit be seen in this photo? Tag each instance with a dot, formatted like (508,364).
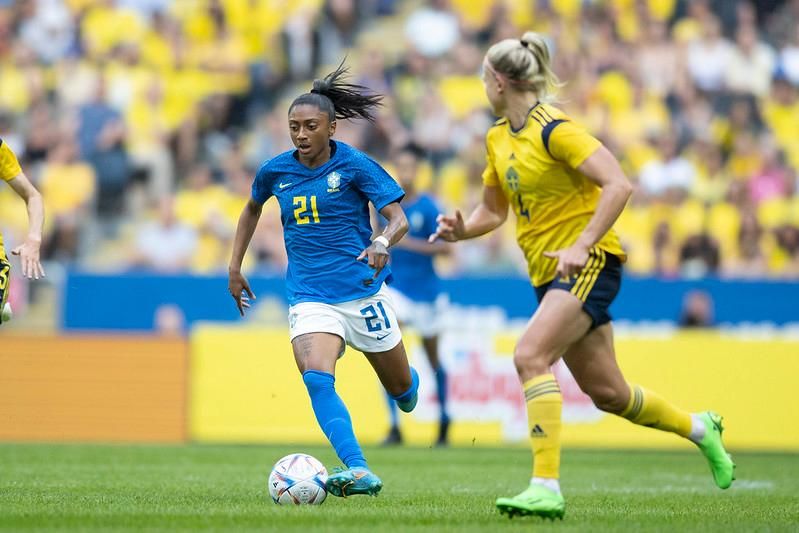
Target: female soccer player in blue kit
(335,279)
(415,289)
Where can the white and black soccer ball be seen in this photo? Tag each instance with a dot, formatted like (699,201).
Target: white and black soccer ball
(298,479)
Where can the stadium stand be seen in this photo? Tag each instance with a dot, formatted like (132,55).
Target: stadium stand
(126,113)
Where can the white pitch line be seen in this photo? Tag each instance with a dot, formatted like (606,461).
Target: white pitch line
(687,488)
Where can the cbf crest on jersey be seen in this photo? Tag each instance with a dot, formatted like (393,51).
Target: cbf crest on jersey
(333,181)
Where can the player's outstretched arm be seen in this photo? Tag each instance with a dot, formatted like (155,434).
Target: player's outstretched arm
(28,251)
(237,283)
(397,227)
(424,246)
(487,216)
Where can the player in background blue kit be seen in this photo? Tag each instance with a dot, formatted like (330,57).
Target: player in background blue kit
(336,273)
(415,289)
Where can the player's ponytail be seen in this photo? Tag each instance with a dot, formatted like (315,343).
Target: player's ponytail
(526,64)
(338,98)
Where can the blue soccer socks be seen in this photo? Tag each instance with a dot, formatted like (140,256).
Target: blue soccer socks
(407,400)
(333,417)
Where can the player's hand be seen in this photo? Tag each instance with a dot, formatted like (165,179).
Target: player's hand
(238,286)
(450,229)
(377,256)
(571,260)
(28,253)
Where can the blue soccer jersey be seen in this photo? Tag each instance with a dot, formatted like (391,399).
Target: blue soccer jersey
(413,273)
(325,214)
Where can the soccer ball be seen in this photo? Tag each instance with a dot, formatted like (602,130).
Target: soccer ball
(299,479)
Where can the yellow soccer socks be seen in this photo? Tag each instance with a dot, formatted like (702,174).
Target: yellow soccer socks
(544,407)
(647,408)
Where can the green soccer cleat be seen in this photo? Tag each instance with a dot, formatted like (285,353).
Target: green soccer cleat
(6,313)
(343,483)
(537,500)
(713,449)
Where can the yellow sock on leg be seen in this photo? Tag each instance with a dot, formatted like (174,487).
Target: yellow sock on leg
(647,408)
(544,407)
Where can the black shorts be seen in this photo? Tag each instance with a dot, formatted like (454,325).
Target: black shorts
(5,269)
(596,286)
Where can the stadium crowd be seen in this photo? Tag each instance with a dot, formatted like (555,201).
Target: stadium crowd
(143,121)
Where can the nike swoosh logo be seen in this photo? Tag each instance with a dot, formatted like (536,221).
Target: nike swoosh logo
(383,337)
(284,185)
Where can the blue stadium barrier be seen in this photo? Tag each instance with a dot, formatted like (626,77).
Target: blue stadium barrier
(129,301)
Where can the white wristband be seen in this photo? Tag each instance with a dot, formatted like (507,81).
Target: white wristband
(382,240)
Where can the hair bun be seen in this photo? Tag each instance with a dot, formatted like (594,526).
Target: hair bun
(320,86)
(530,70)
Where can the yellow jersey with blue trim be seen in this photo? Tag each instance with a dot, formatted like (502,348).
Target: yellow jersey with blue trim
(9,169)
(536,167)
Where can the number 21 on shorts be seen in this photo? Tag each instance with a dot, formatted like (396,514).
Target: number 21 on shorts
(373,323)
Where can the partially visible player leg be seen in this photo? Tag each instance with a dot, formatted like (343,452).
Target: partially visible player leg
(316,355)
(557,324)
(400,380)
(401,308)
(430,345)
(592,362)
(370,326)
(394,435)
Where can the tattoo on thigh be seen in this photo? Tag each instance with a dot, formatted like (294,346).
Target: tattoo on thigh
(304,346)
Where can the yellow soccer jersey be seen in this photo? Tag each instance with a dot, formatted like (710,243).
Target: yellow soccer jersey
(9,169)
(9,166)
(553,202)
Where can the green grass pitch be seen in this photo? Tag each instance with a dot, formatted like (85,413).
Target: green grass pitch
(223,488)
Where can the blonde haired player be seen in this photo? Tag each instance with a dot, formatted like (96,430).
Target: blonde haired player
(28,252)
(567,190)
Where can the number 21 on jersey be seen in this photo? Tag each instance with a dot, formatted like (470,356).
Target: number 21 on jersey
(301,208)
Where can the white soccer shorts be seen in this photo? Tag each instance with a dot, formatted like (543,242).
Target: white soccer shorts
(368,324)
(424,317)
